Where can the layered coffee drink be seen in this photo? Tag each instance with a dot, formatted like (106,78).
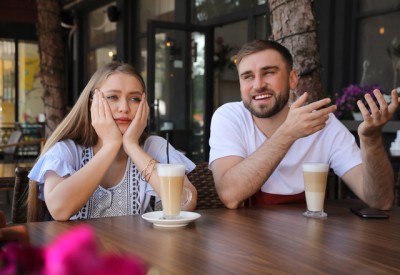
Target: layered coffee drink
(171,178)
(315,179)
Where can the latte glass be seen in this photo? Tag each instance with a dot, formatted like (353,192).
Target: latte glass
(315,179)
(171,178)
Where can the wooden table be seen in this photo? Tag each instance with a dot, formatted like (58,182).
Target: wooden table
(275,239)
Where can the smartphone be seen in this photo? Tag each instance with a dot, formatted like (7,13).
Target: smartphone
(369,213)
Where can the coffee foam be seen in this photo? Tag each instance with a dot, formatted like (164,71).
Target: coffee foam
(168,170)
(315,167)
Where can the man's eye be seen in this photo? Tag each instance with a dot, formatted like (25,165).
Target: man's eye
(268,72)
(247,77)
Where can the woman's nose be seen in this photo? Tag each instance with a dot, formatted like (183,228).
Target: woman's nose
(123,106)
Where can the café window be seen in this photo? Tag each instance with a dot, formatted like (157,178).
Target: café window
(102,39)
(263,27)
(371,6)
(20,87)
(162,10)
(143,58)
(21,90)
(378,55)
(30,89)
(7,82)
(204,10)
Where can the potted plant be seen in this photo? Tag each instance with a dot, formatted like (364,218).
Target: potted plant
(346,102)
(222,56)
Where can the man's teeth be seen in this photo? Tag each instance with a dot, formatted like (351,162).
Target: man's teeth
(261,96)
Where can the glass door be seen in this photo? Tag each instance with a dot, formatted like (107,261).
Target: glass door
(180,85)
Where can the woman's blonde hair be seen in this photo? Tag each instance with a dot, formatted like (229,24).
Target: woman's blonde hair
(77,124)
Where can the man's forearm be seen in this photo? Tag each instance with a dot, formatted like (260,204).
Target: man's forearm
(246,178)
(377,173)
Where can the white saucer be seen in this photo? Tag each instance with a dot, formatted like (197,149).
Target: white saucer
(156,218)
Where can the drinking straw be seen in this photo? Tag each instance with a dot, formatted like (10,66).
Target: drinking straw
(167,137)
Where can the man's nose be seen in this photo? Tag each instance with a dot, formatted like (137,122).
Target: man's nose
(258,83)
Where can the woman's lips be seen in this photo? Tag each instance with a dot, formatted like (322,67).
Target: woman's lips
(123,121)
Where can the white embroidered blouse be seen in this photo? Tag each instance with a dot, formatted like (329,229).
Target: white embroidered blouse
(130,196)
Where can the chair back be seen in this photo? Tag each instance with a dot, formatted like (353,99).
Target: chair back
(20,199)
(26,205)
(207,197)
(15,137)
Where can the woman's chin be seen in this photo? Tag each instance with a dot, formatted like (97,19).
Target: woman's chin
(122,128)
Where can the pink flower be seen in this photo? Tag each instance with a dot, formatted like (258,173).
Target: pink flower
(76,252)
(16,258)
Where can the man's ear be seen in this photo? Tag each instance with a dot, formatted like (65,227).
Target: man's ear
(293,79)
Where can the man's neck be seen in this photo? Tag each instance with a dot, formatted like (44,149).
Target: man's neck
(269,125)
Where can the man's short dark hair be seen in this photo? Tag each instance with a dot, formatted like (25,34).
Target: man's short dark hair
(261,45)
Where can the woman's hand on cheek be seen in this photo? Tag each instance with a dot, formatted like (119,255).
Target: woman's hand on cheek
(103,121)
(138,124)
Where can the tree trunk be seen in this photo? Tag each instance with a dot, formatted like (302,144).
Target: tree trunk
(51,52)
(294,26)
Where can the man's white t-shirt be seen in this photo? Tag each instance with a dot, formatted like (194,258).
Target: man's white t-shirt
(234,133)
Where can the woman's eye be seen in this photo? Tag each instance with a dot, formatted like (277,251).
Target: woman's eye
(111,97)
(136,99)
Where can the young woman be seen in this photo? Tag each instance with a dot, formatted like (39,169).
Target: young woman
(99,161)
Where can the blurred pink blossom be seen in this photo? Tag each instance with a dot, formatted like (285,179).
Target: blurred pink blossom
(75,252)
(16,258)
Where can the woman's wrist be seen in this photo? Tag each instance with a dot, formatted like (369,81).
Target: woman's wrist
(110,147)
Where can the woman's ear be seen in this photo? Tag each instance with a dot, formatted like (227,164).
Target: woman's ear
(293,79)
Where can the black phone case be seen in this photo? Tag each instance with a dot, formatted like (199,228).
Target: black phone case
(369,213)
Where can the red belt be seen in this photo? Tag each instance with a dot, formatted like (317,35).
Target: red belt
(262,198)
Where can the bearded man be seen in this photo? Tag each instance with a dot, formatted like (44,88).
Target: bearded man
(258,145)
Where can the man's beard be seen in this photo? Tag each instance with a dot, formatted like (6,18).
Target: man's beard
(281,102)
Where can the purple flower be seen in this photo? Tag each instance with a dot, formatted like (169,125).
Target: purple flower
(346,102)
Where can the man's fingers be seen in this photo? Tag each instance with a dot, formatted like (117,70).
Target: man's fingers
(320,104)
(300,101)
(394,104)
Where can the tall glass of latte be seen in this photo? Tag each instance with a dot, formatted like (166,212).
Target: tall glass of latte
(171,178)
(315,178)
